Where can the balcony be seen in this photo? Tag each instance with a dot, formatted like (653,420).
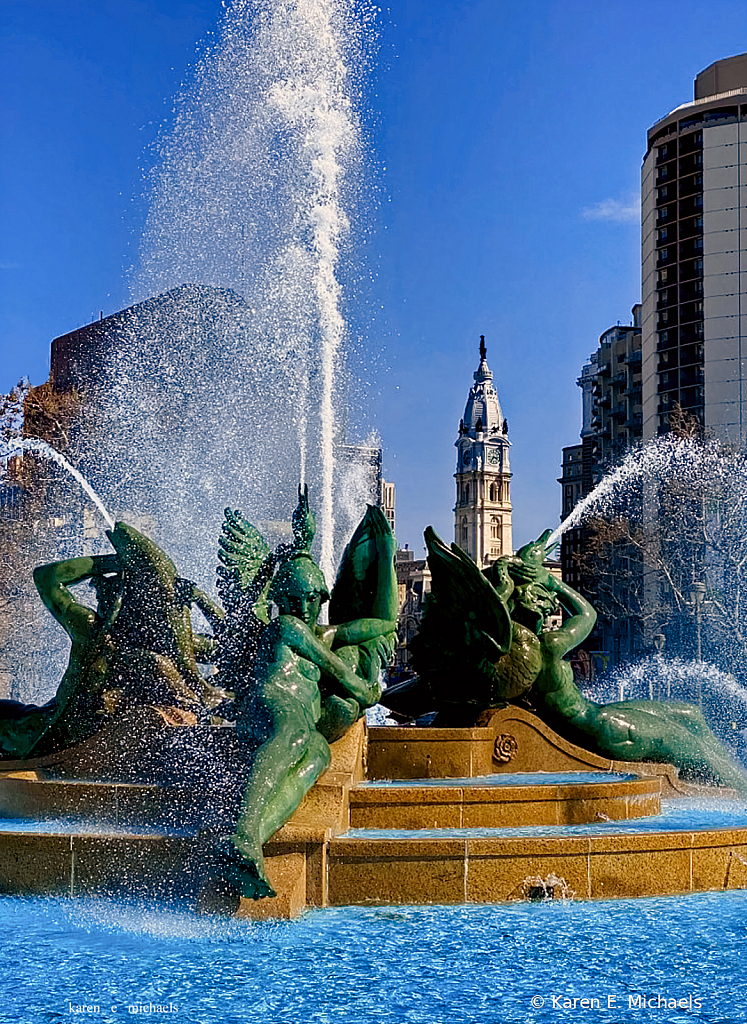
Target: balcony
(691,291)
(691,248)
(691,269)
(690,311)
(691,226)
(692,354)
(693,141)
(693,183)
(692,332)
(691,163)
(667,214)
(691,206)
(692,397)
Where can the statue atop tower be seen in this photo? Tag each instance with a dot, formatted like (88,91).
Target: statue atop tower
(482,514)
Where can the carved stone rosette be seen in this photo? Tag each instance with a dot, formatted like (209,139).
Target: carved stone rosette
(505,747)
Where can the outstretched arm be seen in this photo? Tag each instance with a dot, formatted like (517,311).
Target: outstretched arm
(581,622)
(52,582)
(297,635)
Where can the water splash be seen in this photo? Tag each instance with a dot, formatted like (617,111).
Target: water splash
(252,191)
(39,447)
(661,458)
(722,698)
(669,678)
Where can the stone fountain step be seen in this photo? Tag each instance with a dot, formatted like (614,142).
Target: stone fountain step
(157,839)
(85,836)
(122,804)
(492,870)
(122,863)
(509,740)
(498,801)
(311,868)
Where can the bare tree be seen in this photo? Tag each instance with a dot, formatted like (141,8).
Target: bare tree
(675,557)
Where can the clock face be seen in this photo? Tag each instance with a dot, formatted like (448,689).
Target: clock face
(494,456)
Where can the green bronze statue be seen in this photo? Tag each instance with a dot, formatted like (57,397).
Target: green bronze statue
(136,648)
(299,685)
(484,643)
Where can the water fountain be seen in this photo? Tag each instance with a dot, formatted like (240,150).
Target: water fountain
(446,832)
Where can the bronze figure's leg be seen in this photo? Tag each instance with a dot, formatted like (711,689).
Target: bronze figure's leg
(285,768)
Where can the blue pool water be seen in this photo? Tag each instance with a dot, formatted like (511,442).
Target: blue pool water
(85,826)
(404,965)
(508,779)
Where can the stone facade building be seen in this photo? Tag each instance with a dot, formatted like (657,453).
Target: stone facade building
(482,513)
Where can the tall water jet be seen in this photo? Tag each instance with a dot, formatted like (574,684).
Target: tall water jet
(251,194)
(223,382)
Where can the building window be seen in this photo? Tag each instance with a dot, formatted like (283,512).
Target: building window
(466,492)
(495,527)
(492,492)
(465,533)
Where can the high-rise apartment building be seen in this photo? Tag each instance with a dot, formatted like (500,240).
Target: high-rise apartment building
(694,250)
(611,387)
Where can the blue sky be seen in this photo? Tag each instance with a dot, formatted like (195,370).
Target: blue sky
(505,144)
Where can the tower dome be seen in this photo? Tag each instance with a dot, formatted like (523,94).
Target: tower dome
(483,413)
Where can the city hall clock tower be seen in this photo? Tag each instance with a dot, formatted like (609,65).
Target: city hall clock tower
(482,514)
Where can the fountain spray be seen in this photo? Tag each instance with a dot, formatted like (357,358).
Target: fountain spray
(39,447)
(250,194)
